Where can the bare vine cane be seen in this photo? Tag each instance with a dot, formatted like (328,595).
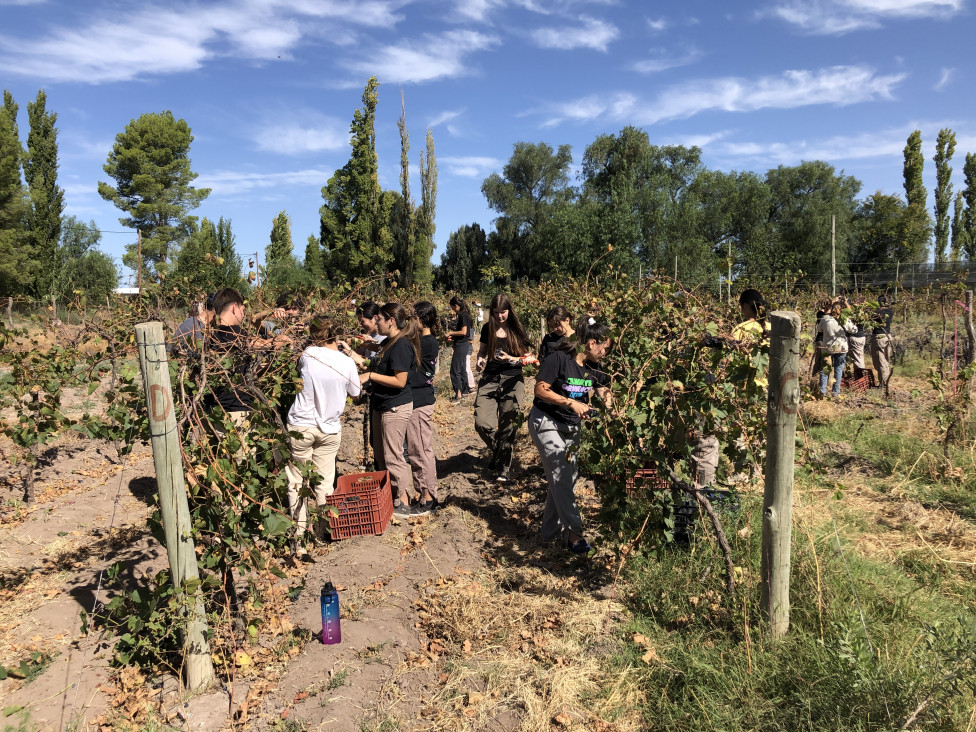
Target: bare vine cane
(706,506)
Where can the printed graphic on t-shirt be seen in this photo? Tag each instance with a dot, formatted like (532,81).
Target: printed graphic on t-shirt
(576,388)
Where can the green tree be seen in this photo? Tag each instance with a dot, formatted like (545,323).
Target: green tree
(959,239)
(533,184)
(282,270)
(735,216)
(82,269)
(463,257)
(208,260)
(803,198)
(969,194)
(16,256)
(150,163)
(46,196)
(402,219)
(424,228)
(355,234)
(945,147)
(313,260)
(879,236)
(918,223)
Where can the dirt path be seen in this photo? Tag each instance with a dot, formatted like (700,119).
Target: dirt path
(460,619)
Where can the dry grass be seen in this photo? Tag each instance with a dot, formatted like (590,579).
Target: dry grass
(523,644)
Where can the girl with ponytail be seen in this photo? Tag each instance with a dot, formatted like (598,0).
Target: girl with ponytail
(569,375)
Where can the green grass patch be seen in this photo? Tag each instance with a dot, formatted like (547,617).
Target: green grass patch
(869,645)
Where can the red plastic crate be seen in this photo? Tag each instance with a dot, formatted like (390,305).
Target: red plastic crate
(648,480)
(857,386)
(364,502)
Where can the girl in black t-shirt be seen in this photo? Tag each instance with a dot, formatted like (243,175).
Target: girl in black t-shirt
(460,337)
(391,396)
(560,324)
(501,391)
(566,379)
(420,430)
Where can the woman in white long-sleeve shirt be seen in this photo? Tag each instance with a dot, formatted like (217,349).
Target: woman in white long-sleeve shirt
(329,377)
(834,344)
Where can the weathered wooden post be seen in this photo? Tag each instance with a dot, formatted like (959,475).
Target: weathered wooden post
(10,312)
(784,398)
(970,330)
(168,461)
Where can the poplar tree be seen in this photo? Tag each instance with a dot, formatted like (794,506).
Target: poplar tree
(425,226)
(354,232)
(47,198)
(150,162)
(313,259)
(16,265)
(917,222)
(969,194)
(402,220)
(281,268)
(945,146)
(957,242)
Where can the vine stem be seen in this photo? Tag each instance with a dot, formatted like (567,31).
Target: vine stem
(706,506)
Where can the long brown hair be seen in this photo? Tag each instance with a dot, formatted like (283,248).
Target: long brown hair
(409,329)
(322,330)
(518,342)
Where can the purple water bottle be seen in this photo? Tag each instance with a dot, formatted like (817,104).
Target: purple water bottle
(330,615)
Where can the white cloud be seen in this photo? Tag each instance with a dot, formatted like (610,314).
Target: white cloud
(156,40)
(944,79)
(592,33)
(470,166)
(296,139)
(433,57)
(839,85)
(701,141)
(835,17)
(445,117)
(661,61)
(476,10)
(229,183)
(657,24)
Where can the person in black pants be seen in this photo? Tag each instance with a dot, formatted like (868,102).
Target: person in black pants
(460,338)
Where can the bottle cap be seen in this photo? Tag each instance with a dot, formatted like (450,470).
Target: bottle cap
(328,588)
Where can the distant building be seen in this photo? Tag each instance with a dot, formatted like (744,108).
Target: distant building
(126,290)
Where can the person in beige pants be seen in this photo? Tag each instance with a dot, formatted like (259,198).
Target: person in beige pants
(328,377)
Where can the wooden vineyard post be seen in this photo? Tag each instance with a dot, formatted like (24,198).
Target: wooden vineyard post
(970,330)
(784,398)
(168,461)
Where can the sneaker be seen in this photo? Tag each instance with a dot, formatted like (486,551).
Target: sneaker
(422,509)
(581,546)
(402,510)
(503,476)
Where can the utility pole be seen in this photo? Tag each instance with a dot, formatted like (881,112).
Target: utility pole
(833,257)
(675,267)
(730,272)
(139,262)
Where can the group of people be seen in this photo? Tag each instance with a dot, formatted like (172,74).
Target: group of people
(837,336)
(393,359)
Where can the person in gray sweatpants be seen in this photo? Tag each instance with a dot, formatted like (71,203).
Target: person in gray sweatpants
(563,386)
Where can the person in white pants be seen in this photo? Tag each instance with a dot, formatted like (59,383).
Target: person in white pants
(329,376)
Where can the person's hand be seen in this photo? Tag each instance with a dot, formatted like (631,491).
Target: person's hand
(500,355)
(579,409)
(278,313)
(365,378)
(480,364)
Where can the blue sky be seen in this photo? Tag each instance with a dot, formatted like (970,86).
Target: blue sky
(269,88)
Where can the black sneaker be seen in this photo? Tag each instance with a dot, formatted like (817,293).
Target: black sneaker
(422,508)
(581,546)
(403,510)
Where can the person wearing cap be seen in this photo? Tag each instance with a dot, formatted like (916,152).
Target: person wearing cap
(190,334)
